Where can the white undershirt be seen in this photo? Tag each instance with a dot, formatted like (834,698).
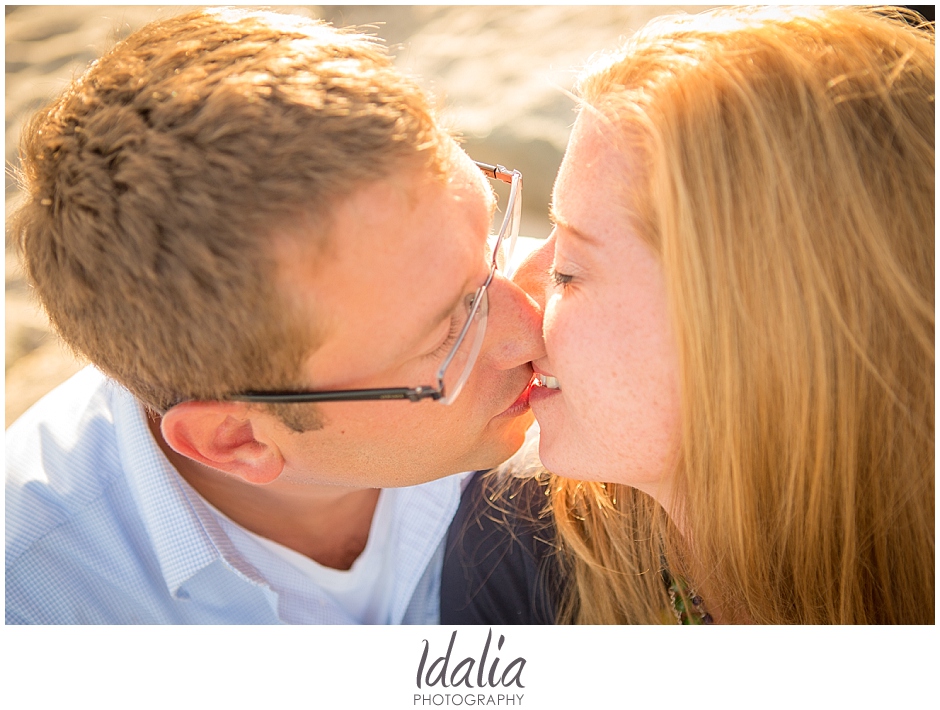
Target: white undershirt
(363,591)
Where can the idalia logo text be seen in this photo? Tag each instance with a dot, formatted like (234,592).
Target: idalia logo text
(463,675)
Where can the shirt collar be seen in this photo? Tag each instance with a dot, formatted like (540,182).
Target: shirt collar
(424,515)
(184,532)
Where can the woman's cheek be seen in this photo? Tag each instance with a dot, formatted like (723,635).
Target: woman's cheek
(557,329)
(569,343)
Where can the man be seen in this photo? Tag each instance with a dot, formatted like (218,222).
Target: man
(227,207)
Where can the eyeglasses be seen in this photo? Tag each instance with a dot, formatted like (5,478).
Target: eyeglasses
(455,370)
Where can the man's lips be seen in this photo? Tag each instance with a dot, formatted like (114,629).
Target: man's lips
(522,402)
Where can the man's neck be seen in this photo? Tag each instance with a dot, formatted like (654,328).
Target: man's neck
(328,524)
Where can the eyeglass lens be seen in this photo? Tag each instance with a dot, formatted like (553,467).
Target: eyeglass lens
(457,371)
(459,363)
(509,229)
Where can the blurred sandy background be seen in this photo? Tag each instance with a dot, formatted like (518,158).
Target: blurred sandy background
(498,72)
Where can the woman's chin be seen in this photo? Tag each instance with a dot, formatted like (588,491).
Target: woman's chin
(557,453)
(550,431)
(562,448)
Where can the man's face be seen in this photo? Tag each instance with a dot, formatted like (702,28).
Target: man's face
(401,256)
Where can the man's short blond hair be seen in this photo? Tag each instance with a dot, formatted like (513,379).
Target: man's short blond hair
(154,184)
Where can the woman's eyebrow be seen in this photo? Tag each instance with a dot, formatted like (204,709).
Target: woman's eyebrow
(557,219)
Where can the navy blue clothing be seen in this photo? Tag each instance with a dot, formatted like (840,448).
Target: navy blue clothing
(500,561)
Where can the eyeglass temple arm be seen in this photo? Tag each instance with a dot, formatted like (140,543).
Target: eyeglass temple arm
(497,172)
(414,394)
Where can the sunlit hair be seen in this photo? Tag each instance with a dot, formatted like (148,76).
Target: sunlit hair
(788,160)
(155,182)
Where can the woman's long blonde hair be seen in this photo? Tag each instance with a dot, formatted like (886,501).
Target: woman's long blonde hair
(789,165)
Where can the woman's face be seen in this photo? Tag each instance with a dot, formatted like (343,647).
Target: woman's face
(607,333)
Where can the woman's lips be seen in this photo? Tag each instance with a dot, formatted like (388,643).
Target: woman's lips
(540,386)
(543,387)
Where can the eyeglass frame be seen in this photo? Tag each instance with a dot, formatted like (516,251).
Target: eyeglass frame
(412,394)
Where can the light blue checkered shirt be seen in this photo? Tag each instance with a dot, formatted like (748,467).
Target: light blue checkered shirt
(100,529)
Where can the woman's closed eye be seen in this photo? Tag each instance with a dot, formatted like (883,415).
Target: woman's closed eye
(559,279)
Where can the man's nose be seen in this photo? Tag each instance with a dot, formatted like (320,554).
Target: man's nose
(514,326)
(532,274)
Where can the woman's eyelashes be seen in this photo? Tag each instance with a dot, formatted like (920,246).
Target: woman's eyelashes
(559,280)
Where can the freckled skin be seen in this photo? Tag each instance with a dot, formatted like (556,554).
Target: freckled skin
(607,333)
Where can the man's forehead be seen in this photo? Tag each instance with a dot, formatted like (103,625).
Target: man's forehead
(463,173)
(490,196)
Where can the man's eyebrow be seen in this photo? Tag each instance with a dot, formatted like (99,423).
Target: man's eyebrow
(557,219)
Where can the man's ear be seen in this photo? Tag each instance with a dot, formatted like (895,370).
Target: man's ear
(223,436)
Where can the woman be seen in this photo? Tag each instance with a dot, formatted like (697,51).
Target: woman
(739,332)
